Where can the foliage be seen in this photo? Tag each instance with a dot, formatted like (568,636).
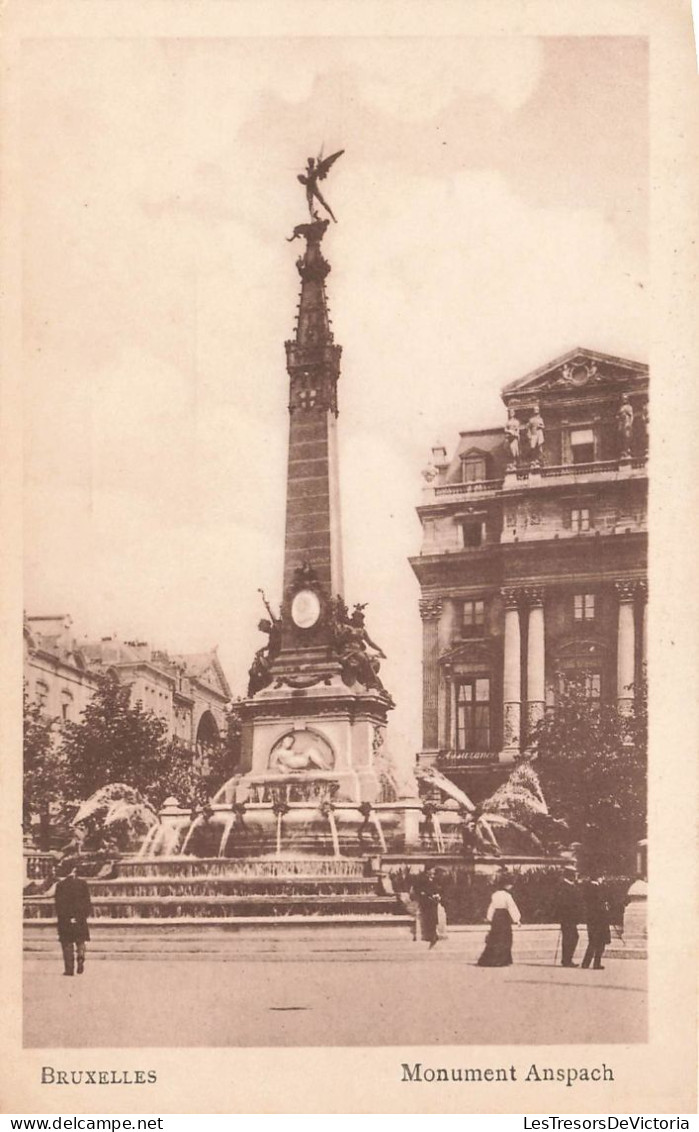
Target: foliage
(233,740)
(592,762)
(118,746)
(116,741)
(194,777)
(45,771)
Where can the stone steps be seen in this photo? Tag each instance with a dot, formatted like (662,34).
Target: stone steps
(243,936)
(165,907)
(222,889)
(299,938)
(247,887)
(296,867)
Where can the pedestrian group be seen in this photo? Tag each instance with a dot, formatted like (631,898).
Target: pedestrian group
(573,903)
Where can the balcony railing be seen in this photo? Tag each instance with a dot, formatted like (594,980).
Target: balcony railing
(579,469)
(472,488)
(550,471)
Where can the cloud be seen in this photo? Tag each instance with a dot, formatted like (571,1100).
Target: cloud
(158,291)
(416,79)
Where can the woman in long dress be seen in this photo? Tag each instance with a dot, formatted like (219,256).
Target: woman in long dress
(501,915)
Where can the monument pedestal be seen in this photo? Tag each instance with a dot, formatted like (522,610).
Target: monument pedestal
(328,732)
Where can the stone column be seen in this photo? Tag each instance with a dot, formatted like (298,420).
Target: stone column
(642,590)
(625,662)
(536,695)
(453,708)
(512,677)
(430,610)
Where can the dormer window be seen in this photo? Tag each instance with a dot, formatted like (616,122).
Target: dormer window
(582,445)
(473,469)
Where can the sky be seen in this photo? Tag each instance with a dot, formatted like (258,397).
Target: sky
(492,214)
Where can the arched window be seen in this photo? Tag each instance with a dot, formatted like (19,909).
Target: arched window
(208,738)
(66,704)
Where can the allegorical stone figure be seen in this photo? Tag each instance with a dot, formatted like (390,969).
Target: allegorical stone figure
(535,433)
(624,420)
(512,429)
(351,642)
(259,674)
(288,758)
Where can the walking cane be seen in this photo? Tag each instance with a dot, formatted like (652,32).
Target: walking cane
(559,937)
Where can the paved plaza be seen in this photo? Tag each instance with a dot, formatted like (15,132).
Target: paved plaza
(336,999)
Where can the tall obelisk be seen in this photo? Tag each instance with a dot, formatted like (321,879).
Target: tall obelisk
(313,364)
(316,708)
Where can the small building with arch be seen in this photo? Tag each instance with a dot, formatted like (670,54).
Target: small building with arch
(188,691)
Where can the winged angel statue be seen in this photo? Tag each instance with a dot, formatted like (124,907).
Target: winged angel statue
(317,170)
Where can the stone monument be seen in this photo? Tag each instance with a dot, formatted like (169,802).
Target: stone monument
(316,709)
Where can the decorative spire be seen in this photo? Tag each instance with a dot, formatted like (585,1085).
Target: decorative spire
(312,358)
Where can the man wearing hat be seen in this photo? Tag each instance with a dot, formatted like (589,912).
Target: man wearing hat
(597,920)
(73,907)
(568,915)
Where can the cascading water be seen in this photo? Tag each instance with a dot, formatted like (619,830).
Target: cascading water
(149,840)
(226,834)
(190,831)
(379,829)
(438,835)
(333,831)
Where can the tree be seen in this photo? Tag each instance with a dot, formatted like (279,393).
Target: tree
(44,770)
(116,741)
(193,777)
(592,761)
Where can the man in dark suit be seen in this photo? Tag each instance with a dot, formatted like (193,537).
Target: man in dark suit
(597,919)
(73,907)
(568,915)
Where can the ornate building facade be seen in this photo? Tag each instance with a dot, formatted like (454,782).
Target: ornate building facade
(533,563)
(189,693)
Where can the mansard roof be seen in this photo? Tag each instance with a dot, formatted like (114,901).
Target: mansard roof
(579,369)
(112,652)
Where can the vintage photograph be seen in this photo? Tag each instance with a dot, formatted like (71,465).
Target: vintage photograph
(336,439)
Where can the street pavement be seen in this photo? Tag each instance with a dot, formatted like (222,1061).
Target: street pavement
(336,999)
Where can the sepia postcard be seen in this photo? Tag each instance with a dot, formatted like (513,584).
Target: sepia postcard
(348,611)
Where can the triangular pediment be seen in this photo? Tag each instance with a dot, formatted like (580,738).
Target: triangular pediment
(579,369)
(205,669)
(467,651)
(213,676)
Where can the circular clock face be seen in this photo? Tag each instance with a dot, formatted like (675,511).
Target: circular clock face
(305,609)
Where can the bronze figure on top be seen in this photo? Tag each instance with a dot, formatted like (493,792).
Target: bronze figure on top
(317,170)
